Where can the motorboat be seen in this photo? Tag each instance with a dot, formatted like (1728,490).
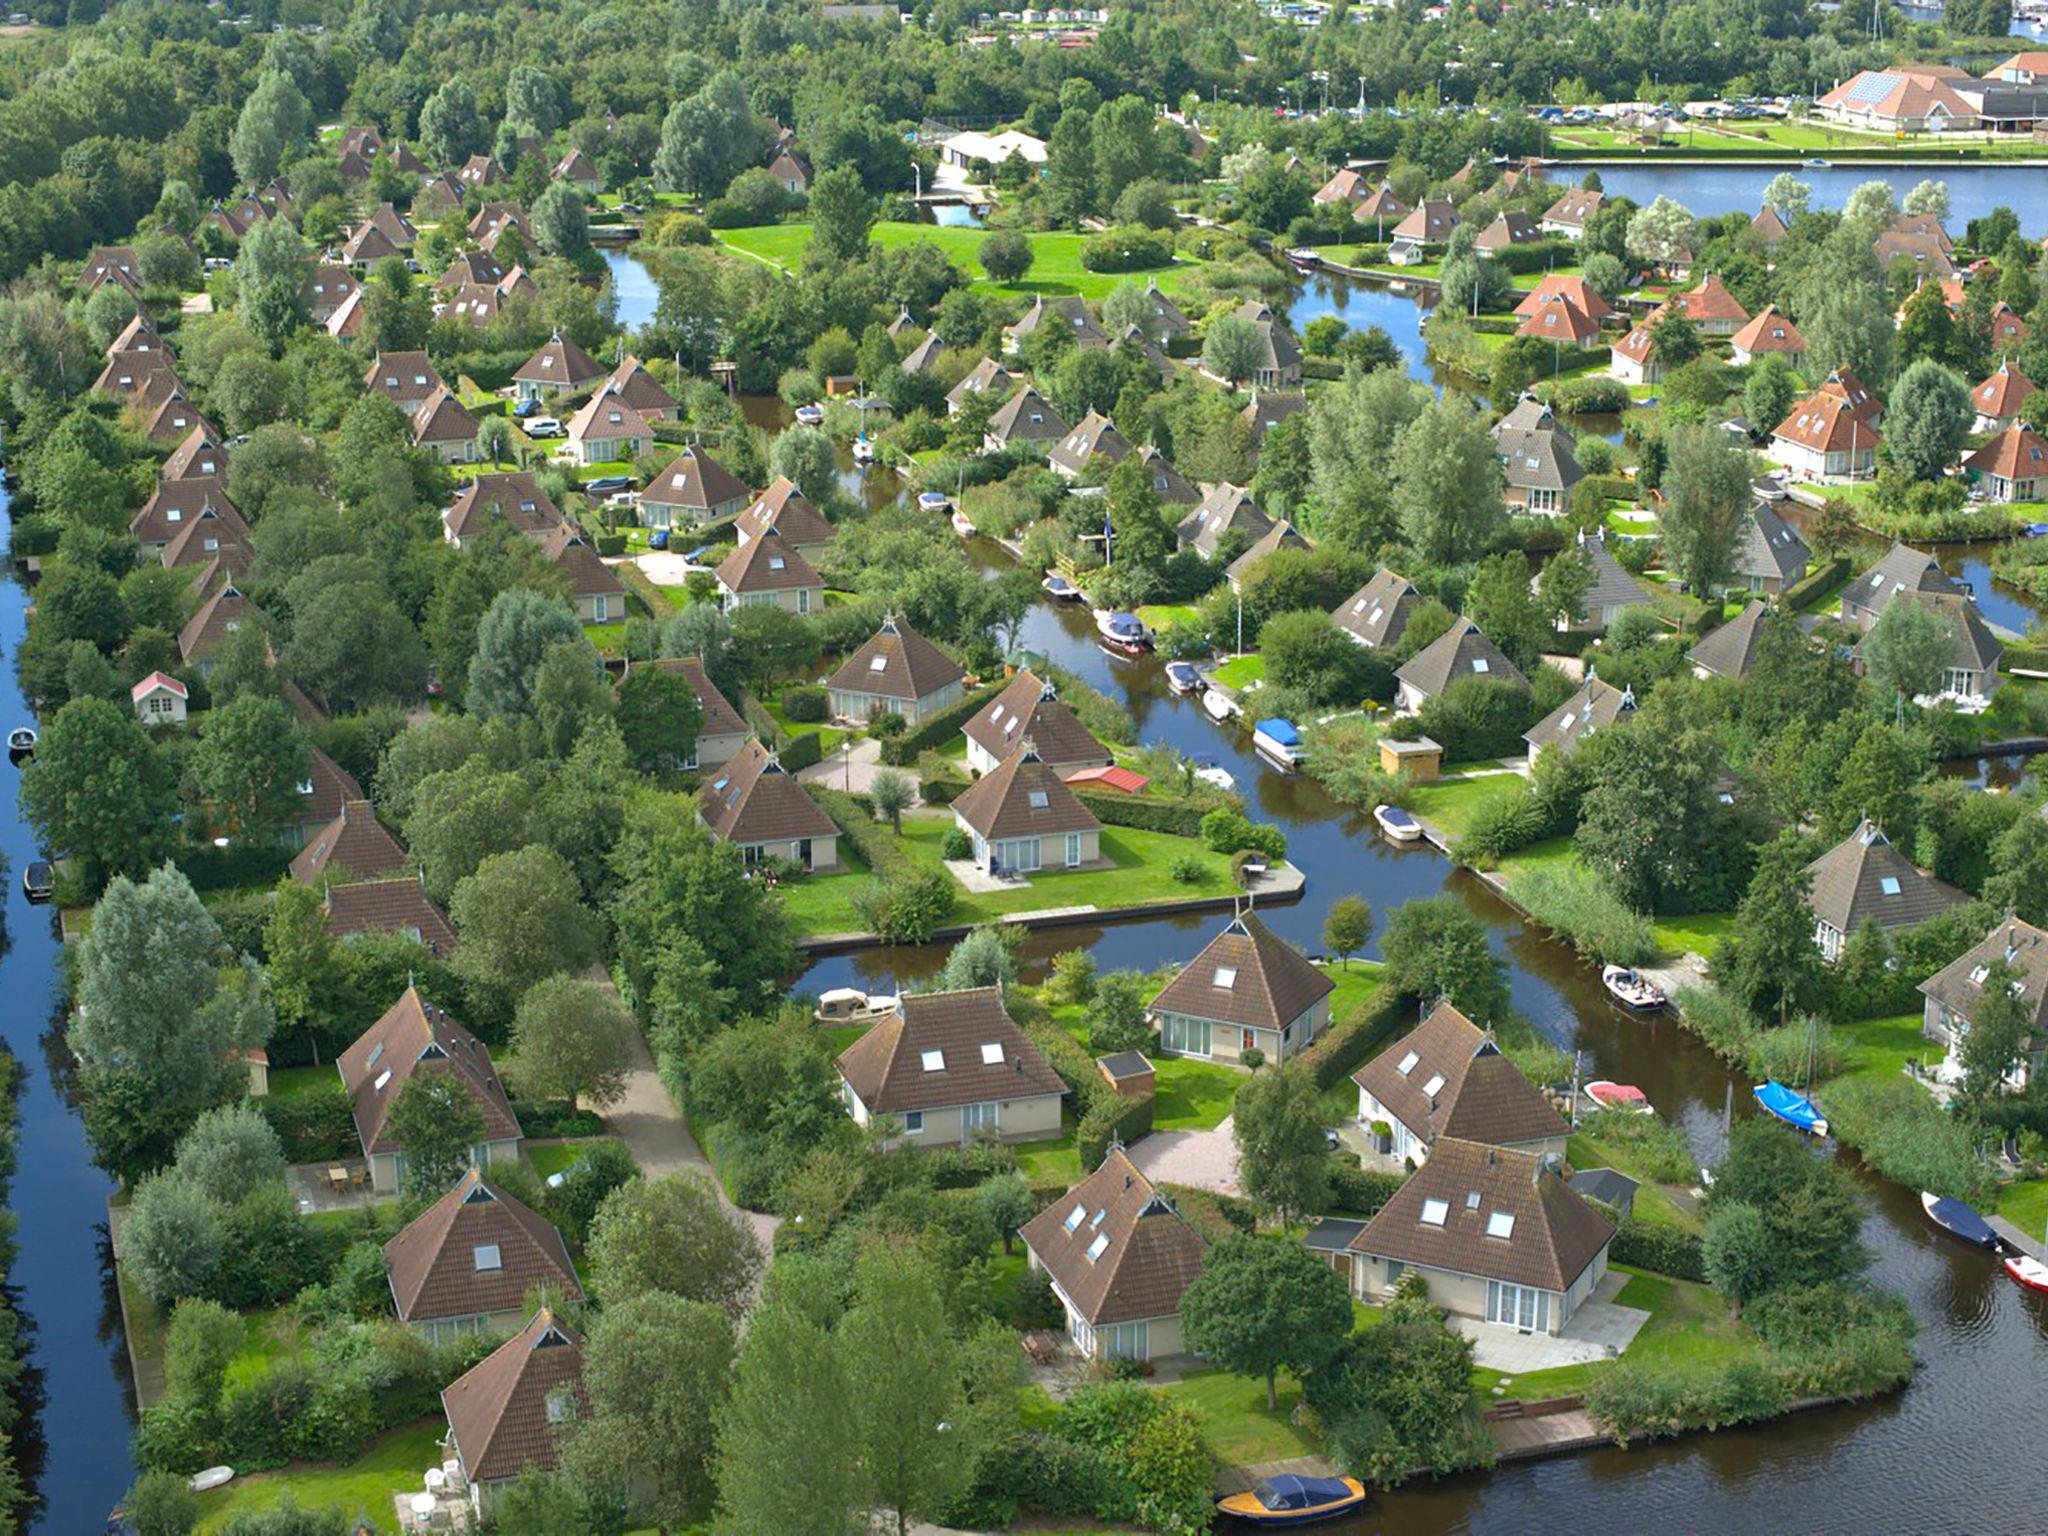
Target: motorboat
(2035,531)
(1279,742)
(1631,989)
(1769,488)
(2029,1271)
(39,881)
(1123,634)
(810,415)
(1795,1109)
(1625,1097)
(936,501)
(963,524)
(1059,589)
(21,741)
(1815,163)
(1286,1499)
(1396,823)
(1182,677)
(1305,258)
(1209,771)
(1959,1220)
(1220,705)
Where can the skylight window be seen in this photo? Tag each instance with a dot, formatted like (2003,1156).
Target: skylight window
(1481,665)
(1097,1219)
(1889,885)
(1500,1224)
(1075,1216)
(1226,977)
(1435,1085)
(1472,1200)
(1434,1213)
(377,1050)
(1408,1063)
(991,1054)
(878,663)
(488,1257)
(1977,976)
(1039,800)
(934,1061)
(775,562)
(1099,1247)
(382,1078)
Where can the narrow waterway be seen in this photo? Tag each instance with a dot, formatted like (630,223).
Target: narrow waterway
(63,1276)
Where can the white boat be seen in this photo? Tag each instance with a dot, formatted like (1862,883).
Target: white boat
(1059,589)
(863,451)
(1220,705)
(22,739)
(1630,989)
(962,525)
(1216,775)
(211,1478)
(1397,823)
(935,501)
(809,415)
(1279,743)
(1625,1097)
(1182,677)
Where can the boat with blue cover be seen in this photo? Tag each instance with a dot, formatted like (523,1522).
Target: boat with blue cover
(1958,1220)
(1279,742)
(1287,1499)
(1795,1109)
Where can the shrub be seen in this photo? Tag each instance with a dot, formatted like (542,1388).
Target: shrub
(1113,1117)
(1127,248)
(1658,1246)
(1147,813)
(939,790)
(313,1126)
(805,704)
(1187,869)
(1360,1191)
(1233,832)
(887,726)
(1501,826)
(1477,717)
(1576,903)
(907,908)
(802,751)
(956,844)
(1347,1044)
(901,751)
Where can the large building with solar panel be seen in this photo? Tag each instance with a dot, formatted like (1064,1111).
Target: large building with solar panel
(1917,98)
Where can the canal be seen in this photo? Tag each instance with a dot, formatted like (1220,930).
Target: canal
(77,1448)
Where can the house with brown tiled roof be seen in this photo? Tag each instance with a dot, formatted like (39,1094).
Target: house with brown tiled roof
(472,269)
(116,264)
(1712,308)
(199,455)
(1770,334)
(2013,466)
(386,232)
(1030,709)
(1499,1237)
(206,632)
(635,386)
(444,427)
(1021,818)
(1277,355)
(1282,535)
(949,1067)
(1265,411)
(559,367)
(2007,328)
(1769,227)
(1377,614)
(1429,224)
(515,499)
(1730,650)
(1067,313)
(1094,437)
(1249,989)
(326,788)
(723,732)
(172,418)
(479,171)
(327,289)
(1447,1077)
(595,590)
(138,335)
(1556,319)
(693,490)
(1458,653)
(395,906)
(439,196)
(214,532)
(1769,553)
(506,1413)
(790,513)
(1120,1258)
(897,671)
(1999,400)
(1228,510)
(769,570)
(1026,417)
(986,376)
(1971,674)
(1168,484)
(1953,994)
(1510,227)
(1926,255)
(1347,186)
(230,566)
(792,171)
(576,169)
(408,378)
(1824,439)
(1538,462)
(1593,706)
(417,1039)
(1634,359)
(1567,216)
(1864,879)
(605,429)
(1907,98)
(755,804)
(1902,569)
(149,376)
(465,1264)
(1378,207)
(353,846)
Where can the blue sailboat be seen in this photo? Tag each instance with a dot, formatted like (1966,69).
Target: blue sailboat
(1795,1109)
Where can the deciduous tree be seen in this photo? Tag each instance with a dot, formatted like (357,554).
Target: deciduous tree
(1283,1159)
(1263,1305)
(673,1235)
(572,1041)
(434,1122)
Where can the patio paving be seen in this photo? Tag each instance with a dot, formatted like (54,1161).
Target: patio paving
(316,1192)
(1599,1330)
(1199,1159)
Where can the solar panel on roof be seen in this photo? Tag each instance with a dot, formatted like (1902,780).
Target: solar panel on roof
(1871,89)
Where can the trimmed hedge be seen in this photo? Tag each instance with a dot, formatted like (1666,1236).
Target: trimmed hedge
(659,604)
(901,751)
(1659,1246)
(1816,582)
(941,791)
(1360,1191)
(313,1127)
(1214,1216)
(1348,1043)
(1181,818)
(802,751)
(858,826)
(1113,1117)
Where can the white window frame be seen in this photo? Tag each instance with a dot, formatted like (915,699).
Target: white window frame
(1178,1034)
(913,1122)
(1073,850)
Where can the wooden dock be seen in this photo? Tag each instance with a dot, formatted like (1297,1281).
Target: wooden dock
(1548,1434)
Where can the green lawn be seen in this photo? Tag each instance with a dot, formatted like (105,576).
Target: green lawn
(824,903)
(1241,672)
(829,736)
(297,1082)
(1056,256)
(1053,1161)
(1880,1048)
(1192,1095)
(1356,983)
(1688,1325)
(1450,807)
(2024,1203)
(394,1464)
(1158,616)
(553,1159)
(1240,1427)
(1697,933)
(1585,1150)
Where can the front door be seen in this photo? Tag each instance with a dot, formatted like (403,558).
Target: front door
(803,852)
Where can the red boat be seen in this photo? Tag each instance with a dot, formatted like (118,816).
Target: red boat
(1622,1096)
(2030,1272)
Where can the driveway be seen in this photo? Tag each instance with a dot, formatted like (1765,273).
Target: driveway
(664,567)
(851,771)
(1199,1159)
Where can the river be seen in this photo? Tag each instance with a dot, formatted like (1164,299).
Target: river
(63,1277)
(1973,190)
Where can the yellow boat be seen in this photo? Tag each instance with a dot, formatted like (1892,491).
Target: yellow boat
(1290,1500)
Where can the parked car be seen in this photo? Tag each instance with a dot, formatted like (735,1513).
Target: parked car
(525,408)
(658,539)
(544,426)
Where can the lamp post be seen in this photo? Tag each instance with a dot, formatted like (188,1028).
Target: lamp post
(846,759)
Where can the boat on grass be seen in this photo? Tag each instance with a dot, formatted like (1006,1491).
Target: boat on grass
(1286,1499)
(1278,742)
(1625,1097)
(1795,1109)
(1631,989)
(1397,823)
(1958,1220)
(2029,1271)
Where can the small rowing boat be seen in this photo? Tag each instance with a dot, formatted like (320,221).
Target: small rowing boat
(1220,705)
(1958,1220)
(1795,1109)
(2029,1271)
(1286,1499)
(1396,823)
(21,741)
(1625,1097)
(1630,989)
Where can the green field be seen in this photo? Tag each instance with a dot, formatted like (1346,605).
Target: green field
(1241,671)
(1056,265)
(1240,1427)
(1689,1325)
(393,1465)
(1449,806)
(819,904)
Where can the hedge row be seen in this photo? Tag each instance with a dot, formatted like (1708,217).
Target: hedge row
(1348,1043)
(902,751)
(1113,1117)
(1214,1216)
(1659,1246)
(1358,1191)
(1147,813)
(2031,658)
(802,751)
(1816,582)
(859,827)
